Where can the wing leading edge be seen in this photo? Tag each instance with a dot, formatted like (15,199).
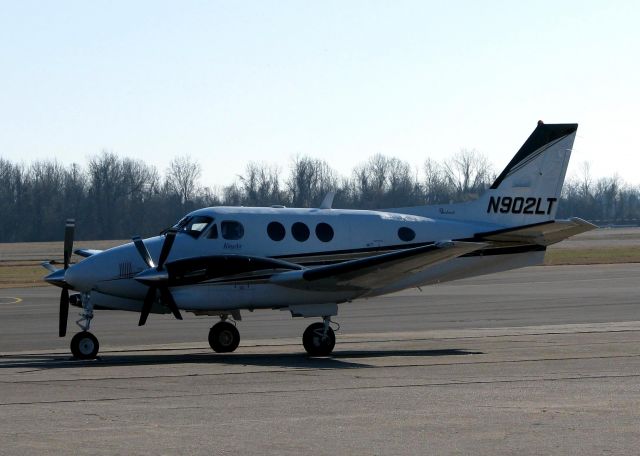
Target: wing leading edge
(86,252)
(375,271)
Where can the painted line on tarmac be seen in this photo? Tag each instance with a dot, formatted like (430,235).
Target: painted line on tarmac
(9,300)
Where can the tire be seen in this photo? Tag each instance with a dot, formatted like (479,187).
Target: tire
(314,343)
(84,345)
(224,337)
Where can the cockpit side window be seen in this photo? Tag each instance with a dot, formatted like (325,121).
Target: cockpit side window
(213,232)
(193,225)
(231,230)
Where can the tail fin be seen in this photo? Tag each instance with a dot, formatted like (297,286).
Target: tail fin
(527,191)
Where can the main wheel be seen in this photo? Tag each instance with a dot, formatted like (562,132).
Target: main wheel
(84,345)
(224,337)
(314,342)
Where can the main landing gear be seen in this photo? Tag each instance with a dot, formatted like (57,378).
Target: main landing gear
(319,338)
(224,337)
(85,345)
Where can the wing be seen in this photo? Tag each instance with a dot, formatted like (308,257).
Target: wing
(86,252)
(375,271)
(546,233)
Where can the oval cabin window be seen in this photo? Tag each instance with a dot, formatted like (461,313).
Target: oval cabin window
(300,231)
(324,232)
(232,230)
(406,234)
(276,231)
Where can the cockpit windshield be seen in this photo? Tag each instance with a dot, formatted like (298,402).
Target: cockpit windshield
(193,225)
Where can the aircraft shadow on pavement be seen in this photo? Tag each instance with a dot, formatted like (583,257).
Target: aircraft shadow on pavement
(339,360)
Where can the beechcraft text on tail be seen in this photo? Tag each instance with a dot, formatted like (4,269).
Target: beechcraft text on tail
(221,261)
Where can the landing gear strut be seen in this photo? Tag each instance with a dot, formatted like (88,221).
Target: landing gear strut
(319,338)
(85,345)
(224,337)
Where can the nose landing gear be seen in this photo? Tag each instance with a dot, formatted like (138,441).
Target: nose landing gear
(85,345)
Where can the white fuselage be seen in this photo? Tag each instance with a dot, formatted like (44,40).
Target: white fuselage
(109,275)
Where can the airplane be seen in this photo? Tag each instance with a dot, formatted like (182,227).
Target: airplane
(219,261)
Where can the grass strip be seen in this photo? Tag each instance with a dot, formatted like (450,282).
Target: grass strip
(592,255)
(21,275)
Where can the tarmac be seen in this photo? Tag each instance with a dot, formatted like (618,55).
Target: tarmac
(541,360)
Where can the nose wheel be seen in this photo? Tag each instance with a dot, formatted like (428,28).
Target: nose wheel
(224,337)
(84,345)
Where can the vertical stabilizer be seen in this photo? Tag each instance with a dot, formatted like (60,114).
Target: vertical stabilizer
(527,191)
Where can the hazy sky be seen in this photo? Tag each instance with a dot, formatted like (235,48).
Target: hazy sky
(232,82)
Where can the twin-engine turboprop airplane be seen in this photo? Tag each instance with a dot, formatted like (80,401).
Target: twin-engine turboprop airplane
(221,260)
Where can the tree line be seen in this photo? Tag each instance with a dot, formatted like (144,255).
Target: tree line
(114,197)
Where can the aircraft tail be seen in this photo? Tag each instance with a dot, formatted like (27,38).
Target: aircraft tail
(527,191)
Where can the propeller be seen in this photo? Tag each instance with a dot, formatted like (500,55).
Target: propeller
(69,229)
(156,277)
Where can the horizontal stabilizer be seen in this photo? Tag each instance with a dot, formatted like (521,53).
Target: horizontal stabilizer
(545,233)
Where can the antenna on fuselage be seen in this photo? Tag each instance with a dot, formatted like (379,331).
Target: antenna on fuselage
(327,202)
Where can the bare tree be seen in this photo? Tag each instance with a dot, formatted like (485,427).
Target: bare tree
(12,200)
(138,179)
(436,186)
(607,194)
(370,181)
(182,177)
(403,188)
(309,180)
(468,172)
(261,184)
(208,196)
(46,179)
(232,195)
(585,180)
(385,182)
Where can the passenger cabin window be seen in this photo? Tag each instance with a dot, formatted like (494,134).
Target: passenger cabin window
(406,234)
(232,230)
(276,231)
(324,232)
(300,231)
(193,225)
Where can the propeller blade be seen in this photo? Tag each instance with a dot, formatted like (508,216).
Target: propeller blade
(69,228)
(64,312)
(166,247)
(146,307)
(167,300)
(142,250)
